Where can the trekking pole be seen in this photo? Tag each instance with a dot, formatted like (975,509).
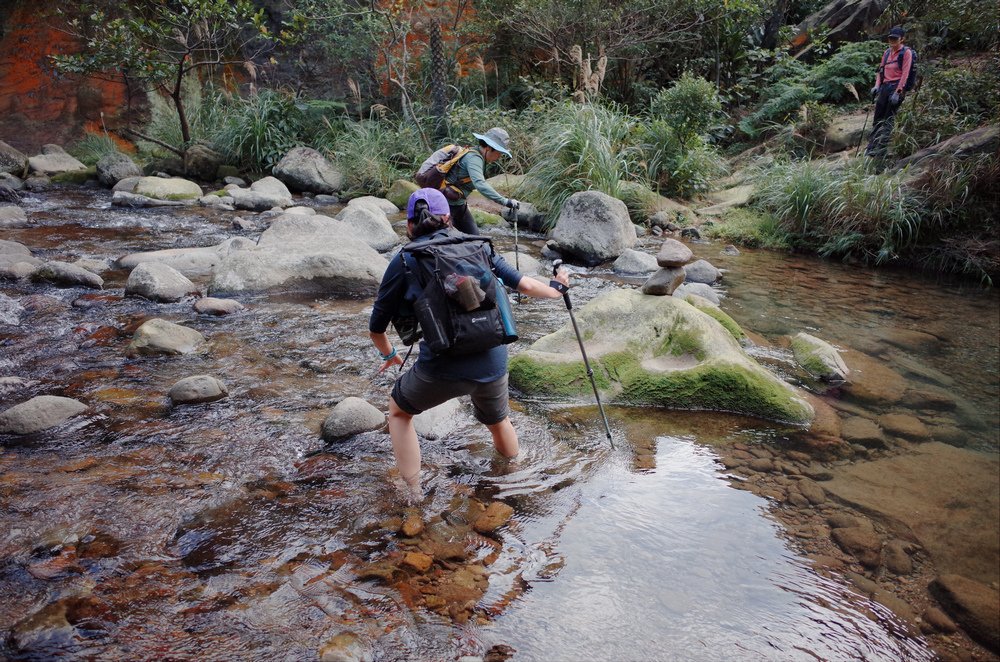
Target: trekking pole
(583,352)
(517,259)
(861,140)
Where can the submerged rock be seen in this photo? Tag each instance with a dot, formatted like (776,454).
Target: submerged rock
(158,336)
(40,413)
(974,606)
(345,647)
(352,416)
(12,216)
(660,351)
(819,358)
(62,274)
(213,306)
(197,389)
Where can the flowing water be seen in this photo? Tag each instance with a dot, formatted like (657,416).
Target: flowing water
(231,531)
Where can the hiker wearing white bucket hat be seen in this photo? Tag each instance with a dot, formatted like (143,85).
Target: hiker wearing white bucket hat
(465,175)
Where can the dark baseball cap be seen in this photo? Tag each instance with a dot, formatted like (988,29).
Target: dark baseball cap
(897,32)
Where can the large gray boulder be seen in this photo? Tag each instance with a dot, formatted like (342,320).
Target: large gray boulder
(39,413)
(525,263)
(303,252)
(262,195)
(920,164)
(656,351)
(819,358)
(382,204)
(54,160)
(305,169)
(196,390)
(193,262)
(162,188)
(844,132)
(62,274)
(352,416)
(158,336)
(12,160)
(12,216)
(370,224)
(593,227)
(202,163)
(158,282)
(114,167)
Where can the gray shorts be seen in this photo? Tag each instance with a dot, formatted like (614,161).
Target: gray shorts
(415,393)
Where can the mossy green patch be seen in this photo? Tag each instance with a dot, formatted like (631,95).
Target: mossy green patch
(484,218)
(74,176)
(680,340)
(727,322)
(399,193)
(748,227)
(807,357)
(566,379)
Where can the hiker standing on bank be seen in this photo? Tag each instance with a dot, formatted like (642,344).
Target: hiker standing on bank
(467,175)
(891,80)
(437,378)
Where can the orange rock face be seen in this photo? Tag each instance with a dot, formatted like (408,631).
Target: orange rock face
(37,104)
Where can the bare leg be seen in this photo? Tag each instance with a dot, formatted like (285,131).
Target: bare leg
(504,438)
(404,444)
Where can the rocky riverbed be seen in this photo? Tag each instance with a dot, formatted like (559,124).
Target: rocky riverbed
(195,488)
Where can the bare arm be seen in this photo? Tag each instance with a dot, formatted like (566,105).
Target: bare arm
(534,288)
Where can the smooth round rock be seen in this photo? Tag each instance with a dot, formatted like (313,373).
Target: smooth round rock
(702,271)
(158,282)
(664,282)
(39,413)
(157,336)
(698,289)
(635,262)
(62,274)
(214,306)
(673,254)
(197,389)
(352,416)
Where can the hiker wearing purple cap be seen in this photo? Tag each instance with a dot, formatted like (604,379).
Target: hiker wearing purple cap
(436,378)
(892,81)
(467,175)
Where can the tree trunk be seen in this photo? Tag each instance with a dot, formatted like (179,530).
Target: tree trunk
(179,105)
(439,78)
(773,24)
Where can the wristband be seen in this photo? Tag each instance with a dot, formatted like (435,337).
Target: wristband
(556,285)
(386,357)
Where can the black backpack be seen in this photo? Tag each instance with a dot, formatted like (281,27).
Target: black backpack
(911,79)
(459,304)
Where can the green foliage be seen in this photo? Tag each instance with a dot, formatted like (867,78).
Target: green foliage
(847,74)
(745,226)
(255,132)
(374,153)
(814,120)
(950,102)
(783,102)
(93,147)
(959,24)
(695,169)
(583,147)
(691,105)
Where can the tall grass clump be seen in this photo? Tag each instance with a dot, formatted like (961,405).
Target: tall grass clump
(841,211)
(259,130)
(584,147)
(93,147)
(375,152)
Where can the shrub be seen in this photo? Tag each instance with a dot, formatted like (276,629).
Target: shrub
(749,227)
(695,169)
(950,102)
(93,147)
(585,147)
(848,73)
(374,153)
(783,102)
(690,106)
(660,150)
(814,120)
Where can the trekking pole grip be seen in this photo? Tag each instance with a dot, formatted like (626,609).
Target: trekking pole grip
(555,271)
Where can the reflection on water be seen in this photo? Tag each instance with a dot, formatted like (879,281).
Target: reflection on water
(229,530)
(673,564)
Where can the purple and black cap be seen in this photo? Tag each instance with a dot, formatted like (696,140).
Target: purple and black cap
(896,33)
(437,204)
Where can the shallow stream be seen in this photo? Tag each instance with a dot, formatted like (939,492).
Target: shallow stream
(231,531)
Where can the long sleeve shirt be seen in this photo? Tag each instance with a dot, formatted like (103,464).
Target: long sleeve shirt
(892,72)
(471,166)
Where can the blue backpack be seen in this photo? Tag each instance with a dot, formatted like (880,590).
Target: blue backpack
(911,79)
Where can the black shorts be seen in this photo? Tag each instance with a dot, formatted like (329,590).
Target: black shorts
(416,392)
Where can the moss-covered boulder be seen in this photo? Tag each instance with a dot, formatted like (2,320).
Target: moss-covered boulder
(399,193)
(819,358)
(656,351)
